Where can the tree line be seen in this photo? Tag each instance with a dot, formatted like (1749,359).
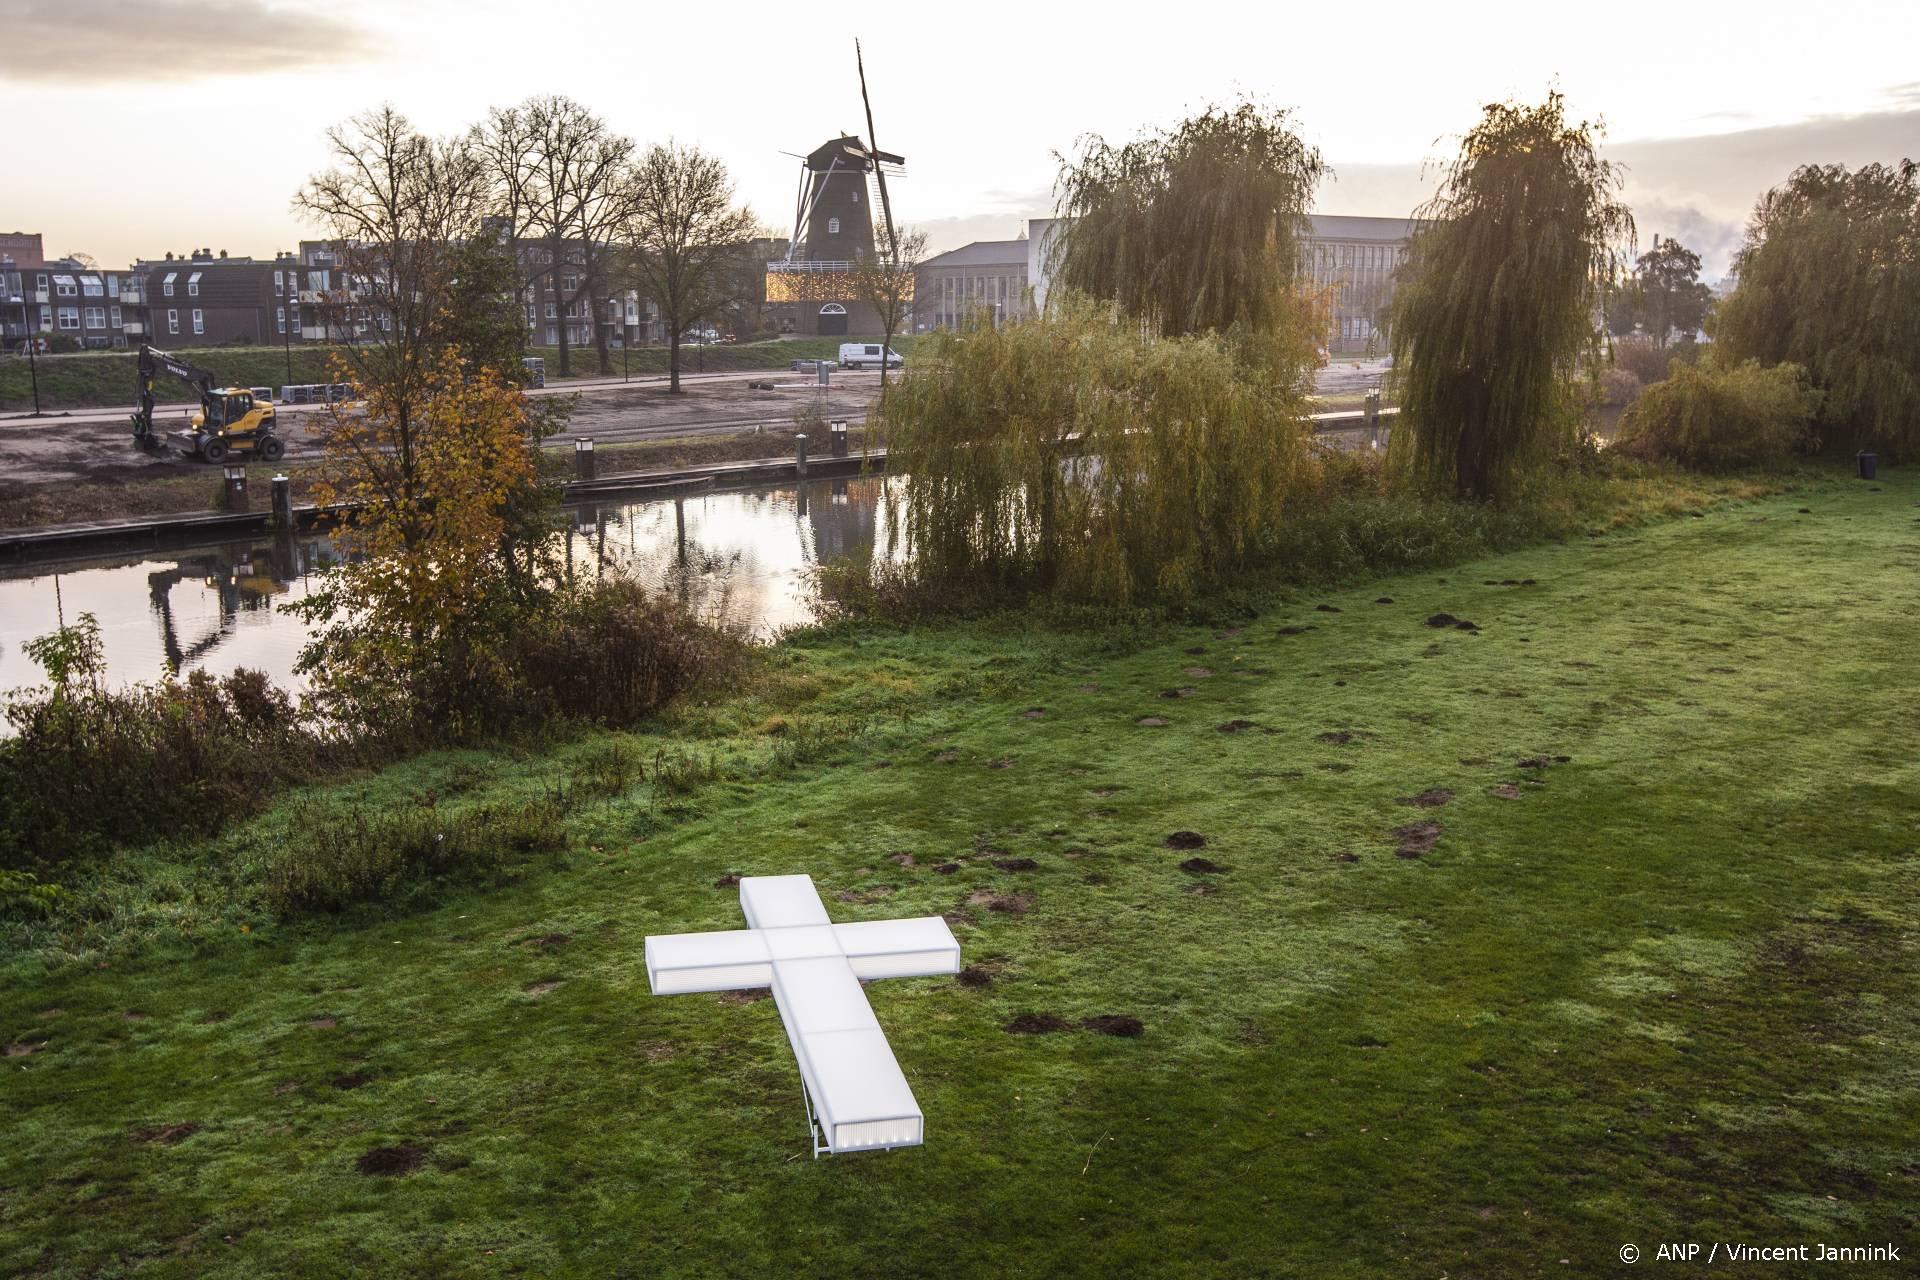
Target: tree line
(540,204)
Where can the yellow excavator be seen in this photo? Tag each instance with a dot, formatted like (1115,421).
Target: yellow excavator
(231,420)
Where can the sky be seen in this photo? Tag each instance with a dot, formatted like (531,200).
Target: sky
(159,125)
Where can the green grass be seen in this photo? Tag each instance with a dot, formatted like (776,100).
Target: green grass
(1669,992)
(93,379)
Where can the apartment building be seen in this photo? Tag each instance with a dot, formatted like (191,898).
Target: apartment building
(203,299)
(48,301)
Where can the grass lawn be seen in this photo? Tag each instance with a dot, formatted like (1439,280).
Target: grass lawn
(1661,983)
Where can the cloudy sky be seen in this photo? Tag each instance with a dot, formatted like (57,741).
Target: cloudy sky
(168,124)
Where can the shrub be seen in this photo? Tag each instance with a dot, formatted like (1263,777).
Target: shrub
(1641,359)
(1712,419)
(338,860)
(88,766)
(1617,388)
(611,653)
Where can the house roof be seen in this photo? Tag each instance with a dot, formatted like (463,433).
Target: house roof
(983,253)
(1336,226)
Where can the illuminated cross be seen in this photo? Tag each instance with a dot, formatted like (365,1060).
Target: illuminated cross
(856,1098)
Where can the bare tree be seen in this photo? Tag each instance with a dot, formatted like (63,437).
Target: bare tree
(684,234)
(401,209)
(885,282)
(559,177)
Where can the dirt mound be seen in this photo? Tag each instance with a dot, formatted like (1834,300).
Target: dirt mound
(1431,799)
(1197,673)
(1295,630)
(1184,691)
(1115,1024)
(542,987)
(1016,864)
(727,881)
(1033,713)
(559,939)
(1152,722)
(1505,790)
(1325,608)
(1236,726)
(1334,738)
(1416,838)
(946,868)
(1186,840)
(1383,600)
(1541,762)
(391,1162)
(975,976)
(1007,904)
(166,1135)
(1201,867)
(352,1080)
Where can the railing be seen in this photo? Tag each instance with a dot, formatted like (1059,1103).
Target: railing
(133,326)
(809,266)
(133,298)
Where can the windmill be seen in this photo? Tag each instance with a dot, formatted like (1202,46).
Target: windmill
(841,182)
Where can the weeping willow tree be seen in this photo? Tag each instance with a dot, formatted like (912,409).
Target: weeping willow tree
(1078,454)
(1496,302)
(1197,230)
(1829,278)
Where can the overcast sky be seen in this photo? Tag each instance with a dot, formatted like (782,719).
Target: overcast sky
(138,126)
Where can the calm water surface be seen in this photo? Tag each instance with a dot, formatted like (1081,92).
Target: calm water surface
(739,558)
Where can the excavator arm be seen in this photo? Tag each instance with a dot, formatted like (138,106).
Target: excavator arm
(154,362)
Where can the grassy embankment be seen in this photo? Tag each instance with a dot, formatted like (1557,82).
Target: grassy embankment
(96,379)
(1594,925)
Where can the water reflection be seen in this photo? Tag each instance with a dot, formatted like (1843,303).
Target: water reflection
(740,559)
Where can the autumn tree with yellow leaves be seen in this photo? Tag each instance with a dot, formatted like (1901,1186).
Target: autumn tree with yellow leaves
(418,620)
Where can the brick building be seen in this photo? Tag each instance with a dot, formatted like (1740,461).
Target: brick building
(65,298)
(205,300)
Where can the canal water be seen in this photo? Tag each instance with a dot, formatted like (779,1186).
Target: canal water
(742,559)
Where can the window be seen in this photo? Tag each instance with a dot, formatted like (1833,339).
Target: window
(166,286)
(40,283)
(69,317)
(90,285)
(279,284)
(46,317)
(280,318)
(96,317)
(173,319)
(116,317)
(550,311)
(64,287)
(199,321)
(856,195)
(833,226)
(113,284)
(193,284)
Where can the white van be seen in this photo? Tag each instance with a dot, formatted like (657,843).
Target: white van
(866,355)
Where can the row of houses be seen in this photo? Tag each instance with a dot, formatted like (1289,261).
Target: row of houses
(205,299)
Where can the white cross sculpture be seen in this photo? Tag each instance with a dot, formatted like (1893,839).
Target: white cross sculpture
(856,1098)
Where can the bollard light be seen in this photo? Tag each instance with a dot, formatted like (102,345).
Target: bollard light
(583,444)
(236,474)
